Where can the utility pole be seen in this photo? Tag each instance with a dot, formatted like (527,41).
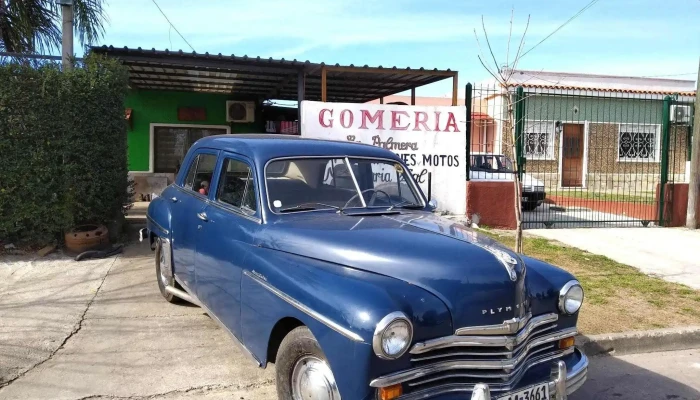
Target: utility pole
(691,220)
(67,32)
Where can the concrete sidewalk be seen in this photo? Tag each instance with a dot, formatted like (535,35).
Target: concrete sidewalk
(670,253)
(100,329)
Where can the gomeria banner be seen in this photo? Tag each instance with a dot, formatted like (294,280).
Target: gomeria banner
(428,139)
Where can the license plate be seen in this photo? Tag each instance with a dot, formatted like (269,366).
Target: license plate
(537,392)
(524,198)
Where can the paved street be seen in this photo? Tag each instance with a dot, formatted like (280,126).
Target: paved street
(671,253)
(99,329)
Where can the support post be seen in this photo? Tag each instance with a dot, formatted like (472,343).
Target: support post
(323,83)
(665,123)
(381,100)
(67,33)
(455,88)
(413,96)
(519,128)
(691,219)
(468,129)
(301,95)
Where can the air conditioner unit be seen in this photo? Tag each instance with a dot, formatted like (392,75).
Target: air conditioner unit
(240,111)
(680,114)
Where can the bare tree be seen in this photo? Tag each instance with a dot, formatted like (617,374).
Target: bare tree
(503,76)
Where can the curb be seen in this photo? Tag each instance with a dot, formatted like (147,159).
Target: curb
(640,341)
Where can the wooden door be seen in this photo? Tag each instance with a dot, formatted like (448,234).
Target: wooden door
(572,157)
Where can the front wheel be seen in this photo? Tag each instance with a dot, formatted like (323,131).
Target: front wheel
(164,280)
(302,369)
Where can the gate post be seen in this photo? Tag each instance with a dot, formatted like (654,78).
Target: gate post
(468,130)
(519,124)
(665,138)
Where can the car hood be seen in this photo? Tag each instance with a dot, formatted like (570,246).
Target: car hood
(479,281)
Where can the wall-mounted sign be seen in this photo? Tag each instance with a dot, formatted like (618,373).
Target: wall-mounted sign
(428,139)
(191,114)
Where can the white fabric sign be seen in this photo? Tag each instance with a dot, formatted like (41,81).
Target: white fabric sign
(428,139)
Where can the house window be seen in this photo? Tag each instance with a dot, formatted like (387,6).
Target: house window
(638,142)
(539,140)
(171,144)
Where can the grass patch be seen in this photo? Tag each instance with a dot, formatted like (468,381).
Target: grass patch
(618,297)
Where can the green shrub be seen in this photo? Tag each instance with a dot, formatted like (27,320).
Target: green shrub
(62,148)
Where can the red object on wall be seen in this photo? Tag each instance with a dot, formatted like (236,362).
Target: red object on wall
(492,202)
(191,114)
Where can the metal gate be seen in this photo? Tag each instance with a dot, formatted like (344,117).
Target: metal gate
(587,158)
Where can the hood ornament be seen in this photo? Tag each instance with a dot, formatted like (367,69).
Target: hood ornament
(508,261)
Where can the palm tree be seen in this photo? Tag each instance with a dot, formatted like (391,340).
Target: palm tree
(30,26)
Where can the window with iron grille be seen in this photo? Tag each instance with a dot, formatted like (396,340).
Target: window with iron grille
(638,142)
(539,140)
(171,144)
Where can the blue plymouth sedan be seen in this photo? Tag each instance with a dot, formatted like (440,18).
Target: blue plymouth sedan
(326,259)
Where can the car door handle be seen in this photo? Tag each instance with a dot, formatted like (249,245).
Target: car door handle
(202,216)
(173,199)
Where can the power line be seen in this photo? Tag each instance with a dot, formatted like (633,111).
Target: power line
(661,76)
(171,24)
(581,11)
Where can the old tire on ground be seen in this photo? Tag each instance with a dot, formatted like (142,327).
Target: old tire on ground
(301,368)
(530,205)
(86,237)
(162,279)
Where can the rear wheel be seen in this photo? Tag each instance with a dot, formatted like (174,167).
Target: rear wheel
(163,279)
(302,369)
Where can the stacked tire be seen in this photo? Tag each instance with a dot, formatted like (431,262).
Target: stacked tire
(86,237)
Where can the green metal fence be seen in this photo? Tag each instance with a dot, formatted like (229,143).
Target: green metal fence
(587,158)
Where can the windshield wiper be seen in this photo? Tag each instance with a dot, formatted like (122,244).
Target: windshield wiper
(405,204)
(308,207)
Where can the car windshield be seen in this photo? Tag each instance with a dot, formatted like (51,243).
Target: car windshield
(303,184)
(491,163)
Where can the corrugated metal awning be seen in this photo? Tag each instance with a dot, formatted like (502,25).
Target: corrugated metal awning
(261,79)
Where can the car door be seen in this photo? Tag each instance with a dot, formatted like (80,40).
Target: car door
(188,203)
(232,221)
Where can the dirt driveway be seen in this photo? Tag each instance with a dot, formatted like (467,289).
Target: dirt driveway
(99,329)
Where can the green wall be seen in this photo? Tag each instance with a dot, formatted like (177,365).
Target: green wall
(160,106)
(592,109)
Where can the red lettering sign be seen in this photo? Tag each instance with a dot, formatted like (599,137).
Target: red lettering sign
(377,118)
(322,121)
(343,118)
(421,119)
(396,120)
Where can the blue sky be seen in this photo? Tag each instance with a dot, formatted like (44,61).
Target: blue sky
(619,37)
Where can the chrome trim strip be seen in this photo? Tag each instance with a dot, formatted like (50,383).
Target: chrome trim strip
(509,326)
(221,324)
(219,204)
(508,342)
(415,373)
(501,387)
(379,331)
(183,295)
(306,310)
(354,180)
(149,218)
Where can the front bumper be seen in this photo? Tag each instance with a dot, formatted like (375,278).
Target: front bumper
(561,384)
(533,197)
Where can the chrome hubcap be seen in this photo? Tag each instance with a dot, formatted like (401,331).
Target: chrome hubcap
(312,379)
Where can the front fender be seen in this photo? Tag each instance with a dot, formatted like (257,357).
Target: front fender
(544,282)
(341,306)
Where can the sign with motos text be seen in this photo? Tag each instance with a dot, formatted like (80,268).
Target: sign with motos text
(428,139)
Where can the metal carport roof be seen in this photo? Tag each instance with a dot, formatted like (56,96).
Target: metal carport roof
(267,78)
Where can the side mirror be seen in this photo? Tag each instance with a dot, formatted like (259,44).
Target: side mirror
(433,204)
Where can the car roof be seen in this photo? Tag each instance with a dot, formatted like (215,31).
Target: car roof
(268,146)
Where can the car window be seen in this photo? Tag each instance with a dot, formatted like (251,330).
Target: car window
(338,175)
(236,185)
(204,173)
(189,179)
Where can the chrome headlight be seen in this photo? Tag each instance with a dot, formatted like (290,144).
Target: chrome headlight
(392,336)
(570,297)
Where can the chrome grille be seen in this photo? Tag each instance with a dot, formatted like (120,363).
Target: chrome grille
(497,355)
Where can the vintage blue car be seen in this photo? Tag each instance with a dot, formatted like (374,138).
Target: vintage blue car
(327,259)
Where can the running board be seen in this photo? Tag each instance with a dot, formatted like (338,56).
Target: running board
(182,294)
